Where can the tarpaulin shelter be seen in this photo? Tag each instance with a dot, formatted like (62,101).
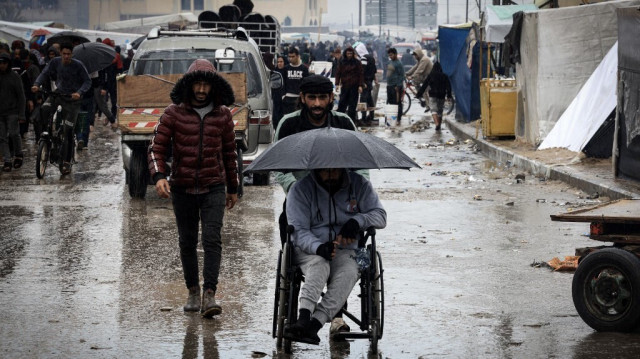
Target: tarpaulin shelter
(498,20)
(455,44)
(589,109)
(627,138)
(560,49)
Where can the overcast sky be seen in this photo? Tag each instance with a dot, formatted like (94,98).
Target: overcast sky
(339,12)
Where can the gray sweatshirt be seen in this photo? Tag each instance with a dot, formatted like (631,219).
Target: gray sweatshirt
(311,210)
(12,99)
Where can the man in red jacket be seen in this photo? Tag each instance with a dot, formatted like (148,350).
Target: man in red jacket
(198,128)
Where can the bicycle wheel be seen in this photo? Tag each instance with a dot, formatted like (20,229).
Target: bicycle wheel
(406,103)
(42,158)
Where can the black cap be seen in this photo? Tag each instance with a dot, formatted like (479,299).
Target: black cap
(316,84)
(5,57)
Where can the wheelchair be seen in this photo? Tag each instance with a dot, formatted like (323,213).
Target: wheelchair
(289,279)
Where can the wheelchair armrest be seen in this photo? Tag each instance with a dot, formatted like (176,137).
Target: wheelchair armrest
(364,236)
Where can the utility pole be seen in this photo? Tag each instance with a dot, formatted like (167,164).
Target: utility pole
(359,13)
(467,12)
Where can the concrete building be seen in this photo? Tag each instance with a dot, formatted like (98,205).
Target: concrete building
(92,14)
(421,14)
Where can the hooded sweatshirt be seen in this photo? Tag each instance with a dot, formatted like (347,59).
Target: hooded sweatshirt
(315,213)
(12,99)
(421,70)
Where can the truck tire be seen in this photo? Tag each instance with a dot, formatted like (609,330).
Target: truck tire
(606,290)
(261,179)
(138,174)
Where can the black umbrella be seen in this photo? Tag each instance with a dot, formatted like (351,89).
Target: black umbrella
(330,148)
(94,55)
(73,37)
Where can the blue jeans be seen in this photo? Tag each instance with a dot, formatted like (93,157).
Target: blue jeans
(190,209)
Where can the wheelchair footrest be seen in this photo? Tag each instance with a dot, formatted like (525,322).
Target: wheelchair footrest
(351,335)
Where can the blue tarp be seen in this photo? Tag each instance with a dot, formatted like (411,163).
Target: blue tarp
(453,58)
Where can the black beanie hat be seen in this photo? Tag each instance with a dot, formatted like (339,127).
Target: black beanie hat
(316,84)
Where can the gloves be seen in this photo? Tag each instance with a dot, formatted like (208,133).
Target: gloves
(350,229)
(325,250)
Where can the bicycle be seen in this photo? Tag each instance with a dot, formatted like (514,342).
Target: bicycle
(406,99)
(56,140)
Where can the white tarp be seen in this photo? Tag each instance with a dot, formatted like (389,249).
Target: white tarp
(586,113)
(498,20)
(23,32)
(145,24)
(560,49)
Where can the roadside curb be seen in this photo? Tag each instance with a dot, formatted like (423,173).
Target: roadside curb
(561,173)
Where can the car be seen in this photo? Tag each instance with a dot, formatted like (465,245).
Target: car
(166,53)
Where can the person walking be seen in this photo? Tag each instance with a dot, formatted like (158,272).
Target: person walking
(419,72)
(277,94)
(294,72)
(12,105)
(334,58)
(197,128)
(395,81)
(439,89)
(350,80)
(370,71)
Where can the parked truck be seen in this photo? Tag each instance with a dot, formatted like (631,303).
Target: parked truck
(163,57)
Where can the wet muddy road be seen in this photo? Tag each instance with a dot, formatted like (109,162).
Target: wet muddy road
(85,271)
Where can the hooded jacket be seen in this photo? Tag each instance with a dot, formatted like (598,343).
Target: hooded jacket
(204,149)
(12,99)
(315,213)
(350,72)
(420,70)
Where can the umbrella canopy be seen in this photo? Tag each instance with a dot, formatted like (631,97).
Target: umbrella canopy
(136,43)
(330,148)
(94,55)
(73,37)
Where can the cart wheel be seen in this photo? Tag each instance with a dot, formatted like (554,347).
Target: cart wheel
(606,290)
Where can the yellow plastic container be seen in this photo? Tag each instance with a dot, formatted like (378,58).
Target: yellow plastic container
(499,100)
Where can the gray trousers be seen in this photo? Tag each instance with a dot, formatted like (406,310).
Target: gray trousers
(10,131)
(341,273)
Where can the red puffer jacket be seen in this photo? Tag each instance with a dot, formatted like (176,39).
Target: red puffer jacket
(204,151)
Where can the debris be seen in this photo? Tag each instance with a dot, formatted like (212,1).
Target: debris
(419,126)
(467,141)
(537,264)
(477,197)
(541,200)
(569,263)
(593,196)
(520,177)
(440,173)
(166,309)
(509,204)
(256,354)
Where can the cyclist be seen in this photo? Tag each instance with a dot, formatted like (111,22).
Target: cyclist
(419,72)
(70,80)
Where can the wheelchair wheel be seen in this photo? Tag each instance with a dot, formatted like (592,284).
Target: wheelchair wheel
(280,312)
(377,288)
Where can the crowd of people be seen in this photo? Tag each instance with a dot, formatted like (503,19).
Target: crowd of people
(31,73)
(355,66)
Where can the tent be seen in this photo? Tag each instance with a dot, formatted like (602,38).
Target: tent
(498,20)
(589,109)
(558,59)
(455,43)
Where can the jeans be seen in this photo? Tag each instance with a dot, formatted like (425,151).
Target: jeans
(82,134)
(393,98)
(10,131)
(190,209)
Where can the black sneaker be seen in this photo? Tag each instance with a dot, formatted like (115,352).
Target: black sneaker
(7,166)
(66,168)
(80,145)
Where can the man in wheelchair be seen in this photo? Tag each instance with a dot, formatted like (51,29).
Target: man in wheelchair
(329,208)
